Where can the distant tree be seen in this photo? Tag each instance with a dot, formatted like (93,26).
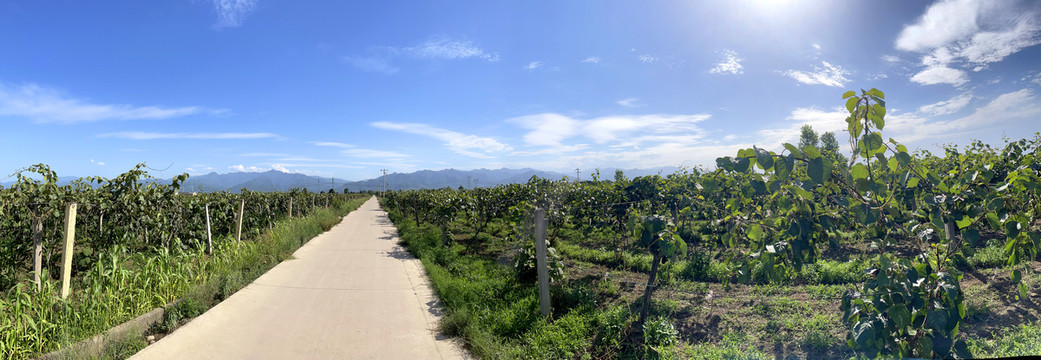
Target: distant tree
(807,137)
(332,191)
(619,176)
(345,190)
(830,147)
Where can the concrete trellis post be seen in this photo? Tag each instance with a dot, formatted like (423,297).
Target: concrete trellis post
(70,239)
(540,253)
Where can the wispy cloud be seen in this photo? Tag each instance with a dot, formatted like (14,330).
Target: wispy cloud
(354,151)
(440,47)
(371,64)
(630,102)
(379,59)
(816,46)
(647,58)
(144,135)
(1035,79)
(469,145)
(946,107)
(243,168)
(231,13)
(730,64)
(828,75)
(591,60)
(46,105)
(551,129)
(332,144)
(940,75)
(890,58)
(534,65)
(98,163)
(969,33)
(1004,110)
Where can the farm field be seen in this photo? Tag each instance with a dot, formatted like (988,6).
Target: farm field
(798,253)
(138,245)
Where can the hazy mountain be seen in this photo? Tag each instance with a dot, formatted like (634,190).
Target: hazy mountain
(424,179)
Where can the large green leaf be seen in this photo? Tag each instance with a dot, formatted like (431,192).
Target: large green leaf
(852,103)
(815,170)
(859,171)
(763,159)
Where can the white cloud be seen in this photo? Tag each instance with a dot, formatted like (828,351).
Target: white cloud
(647,58)
(730,64)
(942,23)
(890,58)
(45,105)
(98,163)
(144,135)
(440,47)
(879,76)
(941,75)
(828,75)
(279,167)
(1037,79)
(534,65)
(1004,109)
(332,144)
(550,129)
(371,64)
(231,13)
(971,33)
(243,168)
(630,102)
(947,106)
(547,129)
(591,60)
(456,142)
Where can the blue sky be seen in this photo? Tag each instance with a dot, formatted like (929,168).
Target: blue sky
(336,88)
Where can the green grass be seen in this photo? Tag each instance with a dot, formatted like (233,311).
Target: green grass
(733,346)
(1022,340)
(496,315)
(988,257)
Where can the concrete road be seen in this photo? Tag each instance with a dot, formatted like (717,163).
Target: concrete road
(350,293)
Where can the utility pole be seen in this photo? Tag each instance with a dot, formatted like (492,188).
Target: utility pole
(469,182)
(384,181)
(577,178)
(476,182)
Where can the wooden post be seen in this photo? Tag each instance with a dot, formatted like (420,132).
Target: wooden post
(37,251)
(209,237)
(70,238)
(242,207)
(290,207)
(540,253)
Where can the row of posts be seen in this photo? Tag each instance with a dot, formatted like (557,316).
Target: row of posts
(69,239)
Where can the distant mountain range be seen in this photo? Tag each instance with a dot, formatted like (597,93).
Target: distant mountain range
(424,179)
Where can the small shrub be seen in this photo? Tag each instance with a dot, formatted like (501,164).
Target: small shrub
(659,332)
(988,257)
(697,268)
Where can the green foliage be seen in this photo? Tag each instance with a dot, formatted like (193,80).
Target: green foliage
(121,282)
(526,263)
(767,216)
